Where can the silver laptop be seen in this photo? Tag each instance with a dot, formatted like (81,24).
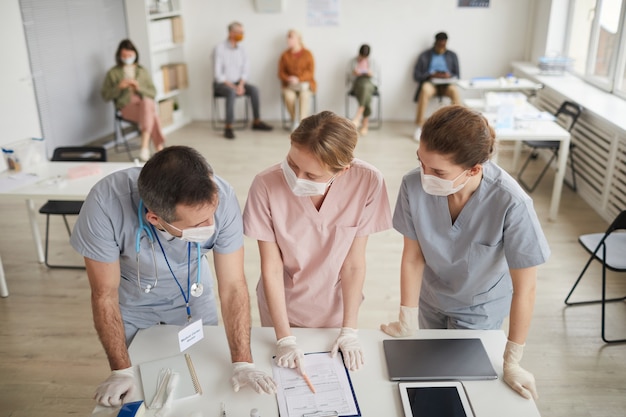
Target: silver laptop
(437,360)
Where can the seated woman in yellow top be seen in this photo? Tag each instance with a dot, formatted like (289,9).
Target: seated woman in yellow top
(130,86)
(296,71)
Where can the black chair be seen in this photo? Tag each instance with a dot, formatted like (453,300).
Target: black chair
(219,123)
(571,110)
(67,207)
(120,126)
(283,110)
(376,121)
(609,248)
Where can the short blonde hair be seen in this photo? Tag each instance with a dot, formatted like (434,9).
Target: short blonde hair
(296,33)
(331,138)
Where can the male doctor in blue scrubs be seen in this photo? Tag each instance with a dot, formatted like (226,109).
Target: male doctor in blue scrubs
(144,234)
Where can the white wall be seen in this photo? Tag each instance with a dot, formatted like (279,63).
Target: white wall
(18,110)
(486,40)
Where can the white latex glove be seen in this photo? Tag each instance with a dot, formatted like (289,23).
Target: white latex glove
(407,324)
(245,373)
(117,389)
(288,355)
(517,377)
(350,346)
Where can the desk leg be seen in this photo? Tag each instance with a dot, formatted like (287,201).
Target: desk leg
(4,290)
(517,151)
(559,178)
(34,227)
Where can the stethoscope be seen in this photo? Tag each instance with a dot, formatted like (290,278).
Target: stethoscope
(196,289)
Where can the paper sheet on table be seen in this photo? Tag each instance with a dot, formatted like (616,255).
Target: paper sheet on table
(16,180)
(333,388)
(540,116)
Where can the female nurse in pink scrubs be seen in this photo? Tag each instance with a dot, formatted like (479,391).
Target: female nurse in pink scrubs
(311,215)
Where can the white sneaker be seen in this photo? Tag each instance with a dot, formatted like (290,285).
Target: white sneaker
(294,125)
(417,134)
(144,154)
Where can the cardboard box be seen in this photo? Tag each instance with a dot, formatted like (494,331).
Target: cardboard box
(166,112)
(178,35)
(181,76)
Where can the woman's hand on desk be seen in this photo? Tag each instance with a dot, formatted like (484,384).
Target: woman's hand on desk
(517,377)
(288,355)
(405,326)
(349,344)
(245,373)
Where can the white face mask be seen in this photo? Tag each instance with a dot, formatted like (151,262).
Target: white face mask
(130,60)
(196,234)
(438,186)
(302,187)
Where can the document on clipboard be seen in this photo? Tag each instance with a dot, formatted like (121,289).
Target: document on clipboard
(334,394)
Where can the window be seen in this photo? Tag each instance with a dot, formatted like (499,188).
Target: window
(597,44)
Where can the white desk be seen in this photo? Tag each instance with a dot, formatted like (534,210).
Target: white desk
(533,130)
(377,396)
(51,182)
(499,84)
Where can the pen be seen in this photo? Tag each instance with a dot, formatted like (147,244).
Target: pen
(308,382)
(223,412)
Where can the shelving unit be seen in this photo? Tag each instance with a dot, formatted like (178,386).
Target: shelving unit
(158,48)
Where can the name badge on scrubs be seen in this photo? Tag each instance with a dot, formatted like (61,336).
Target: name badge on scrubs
(190,334)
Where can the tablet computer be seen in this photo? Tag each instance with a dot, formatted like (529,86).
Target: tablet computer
(435,399)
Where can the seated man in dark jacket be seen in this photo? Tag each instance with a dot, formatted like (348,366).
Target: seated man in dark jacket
(434,67)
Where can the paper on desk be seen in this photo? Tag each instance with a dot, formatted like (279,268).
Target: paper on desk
(333,388)
(18,179)
(539,116)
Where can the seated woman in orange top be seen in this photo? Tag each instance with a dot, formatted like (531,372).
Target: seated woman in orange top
(295,70)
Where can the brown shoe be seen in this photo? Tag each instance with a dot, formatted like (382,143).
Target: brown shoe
(261,126)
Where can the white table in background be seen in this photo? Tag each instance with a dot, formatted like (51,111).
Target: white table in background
(529,129)
(499,84)
(50,182)
(376,394)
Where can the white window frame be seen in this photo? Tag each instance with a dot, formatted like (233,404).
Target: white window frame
(614,82)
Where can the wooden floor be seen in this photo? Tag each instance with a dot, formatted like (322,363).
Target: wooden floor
(51,359)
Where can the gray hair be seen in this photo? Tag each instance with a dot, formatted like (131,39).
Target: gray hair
(176,175)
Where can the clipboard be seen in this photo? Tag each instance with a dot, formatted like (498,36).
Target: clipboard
(331,380)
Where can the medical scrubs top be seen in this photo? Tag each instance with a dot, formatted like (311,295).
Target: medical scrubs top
(313,243)
(468,262)
(106,232)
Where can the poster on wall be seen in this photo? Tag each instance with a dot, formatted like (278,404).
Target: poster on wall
(473,3)
(322,12)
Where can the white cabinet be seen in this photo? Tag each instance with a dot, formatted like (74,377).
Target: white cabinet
(156,29)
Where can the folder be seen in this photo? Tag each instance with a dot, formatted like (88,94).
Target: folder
(334,394)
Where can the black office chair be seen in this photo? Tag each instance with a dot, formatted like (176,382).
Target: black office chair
(120,126)
(219,123)
(571,110)
(283,110)
(376,119)
(609,248)
(67,207)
